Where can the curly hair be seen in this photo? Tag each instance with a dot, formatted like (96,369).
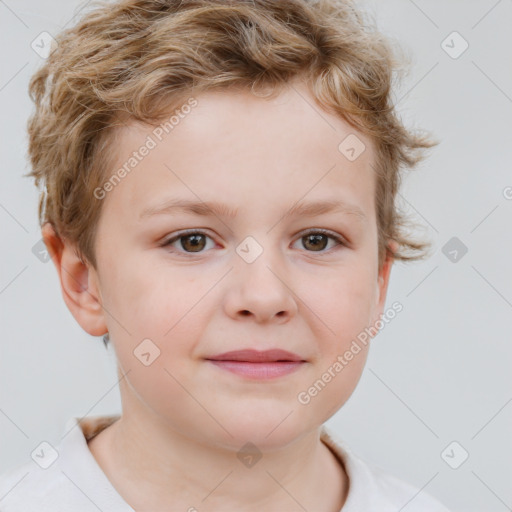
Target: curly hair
(137,59)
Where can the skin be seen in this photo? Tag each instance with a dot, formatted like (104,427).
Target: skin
(184,419)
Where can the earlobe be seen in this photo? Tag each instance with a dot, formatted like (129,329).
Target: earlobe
(78,283)
(384,274)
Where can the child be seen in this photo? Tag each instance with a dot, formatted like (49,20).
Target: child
(261,129)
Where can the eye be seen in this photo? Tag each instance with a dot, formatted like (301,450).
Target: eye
(191,241)
(317,240)
(195,241)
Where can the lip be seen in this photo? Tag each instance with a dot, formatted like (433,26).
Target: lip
(254,364)
(257,356)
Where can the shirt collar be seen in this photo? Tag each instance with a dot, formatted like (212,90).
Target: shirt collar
(80,466)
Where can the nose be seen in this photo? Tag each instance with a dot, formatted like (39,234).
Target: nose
(260,291)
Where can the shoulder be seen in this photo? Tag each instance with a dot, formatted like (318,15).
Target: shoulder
(387,488)
(64,478)
(371,488)
(29,488)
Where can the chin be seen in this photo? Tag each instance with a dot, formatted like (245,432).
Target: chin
(268,433)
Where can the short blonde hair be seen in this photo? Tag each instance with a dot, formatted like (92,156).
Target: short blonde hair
(137,59)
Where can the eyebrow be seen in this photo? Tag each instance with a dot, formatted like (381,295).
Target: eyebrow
(209,208)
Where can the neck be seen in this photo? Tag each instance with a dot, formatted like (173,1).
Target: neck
(152,466)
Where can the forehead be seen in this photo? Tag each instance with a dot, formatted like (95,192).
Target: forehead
(236,147)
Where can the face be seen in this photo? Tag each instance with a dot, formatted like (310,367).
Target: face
(264,271)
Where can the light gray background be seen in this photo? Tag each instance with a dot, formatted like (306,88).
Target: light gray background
(440,372)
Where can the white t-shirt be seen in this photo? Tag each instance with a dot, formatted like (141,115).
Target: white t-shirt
(74,482)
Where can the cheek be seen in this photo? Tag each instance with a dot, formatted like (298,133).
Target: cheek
(342,310)
(327,391)
(165,325)
(342,306)
(153,301)
(164,390)
(156,329)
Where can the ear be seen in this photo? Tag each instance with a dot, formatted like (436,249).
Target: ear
(79,283)
(383,278)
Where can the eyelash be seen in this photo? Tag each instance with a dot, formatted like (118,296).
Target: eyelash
(182,234)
